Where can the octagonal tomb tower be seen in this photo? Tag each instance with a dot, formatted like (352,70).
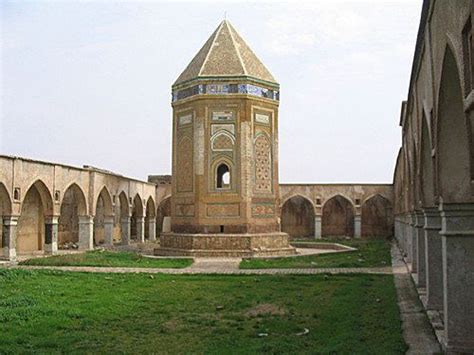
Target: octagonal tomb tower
(225,154)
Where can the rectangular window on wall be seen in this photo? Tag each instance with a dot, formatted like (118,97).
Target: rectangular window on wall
(468,56)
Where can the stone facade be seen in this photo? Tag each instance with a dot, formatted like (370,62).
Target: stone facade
(434,175)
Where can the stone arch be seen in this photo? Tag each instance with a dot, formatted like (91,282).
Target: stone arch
(297,217)
(73,206)
(453,158)
(376,217)
(37,203)
(150,216)
(136,221)
(5,209)
(426,165)
(338,217)
(164,210)
(222,141)
(103,209)
(45,194)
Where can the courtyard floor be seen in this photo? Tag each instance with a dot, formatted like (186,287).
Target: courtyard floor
(220,309)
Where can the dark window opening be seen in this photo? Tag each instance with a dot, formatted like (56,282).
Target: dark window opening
(222,229)
(468,51)
(223,177)
(16,194)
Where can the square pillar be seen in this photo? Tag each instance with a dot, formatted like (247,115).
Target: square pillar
(414,243)
(317,227)
(141,229)
(86,233)
(109,230)
(457,233)
(9,237)
(433,259)
(396,230)
(420,248)
(357,226)
(51,235)
(152,229)
(126,230)
(408,238)
(166,224)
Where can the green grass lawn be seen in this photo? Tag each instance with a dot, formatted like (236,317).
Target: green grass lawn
(58,312)
(369,253)
(102,258)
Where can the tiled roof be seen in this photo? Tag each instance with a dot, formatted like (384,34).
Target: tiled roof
(225,53)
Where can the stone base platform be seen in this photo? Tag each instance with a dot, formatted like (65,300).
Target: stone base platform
(225,245)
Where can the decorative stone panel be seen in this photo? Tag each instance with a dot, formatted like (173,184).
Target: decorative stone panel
(222,142)
(263,210)
(184,210)
(223,210)
(185,165)
(263,164)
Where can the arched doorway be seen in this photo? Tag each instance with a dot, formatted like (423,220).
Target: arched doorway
(150,219)
(453,145)
(164,210)
(31,224)
(297,217)
(338,218)
(103,214)
(137,222)
(73,206)
(376,218)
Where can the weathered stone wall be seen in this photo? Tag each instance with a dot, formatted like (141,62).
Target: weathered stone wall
(434,174)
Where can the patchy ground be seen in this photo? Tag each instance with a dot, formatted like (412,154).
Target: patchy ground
(52,311)
(104,258)
(369,253)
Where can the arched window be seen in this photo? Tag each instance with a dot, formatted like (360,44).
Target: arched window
(223,177)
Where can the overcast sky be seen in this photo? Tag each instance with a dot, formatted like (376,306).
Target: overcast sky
(88,83)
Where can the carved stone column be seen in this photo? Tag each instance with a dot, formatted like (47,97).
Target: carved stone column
(126,231)
(457,232)
(317,227)
(357,226)
(414,242)
(9,237)
(86,232)
(408,237)
(141,229)
(51,235)
(109,230)
(152,229)
(420,248)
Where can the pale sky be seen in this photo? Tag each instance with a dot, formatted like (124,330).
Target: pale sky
(89,83)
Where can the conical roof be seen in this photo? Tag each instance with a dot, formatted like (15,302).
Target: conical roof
(225,53)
